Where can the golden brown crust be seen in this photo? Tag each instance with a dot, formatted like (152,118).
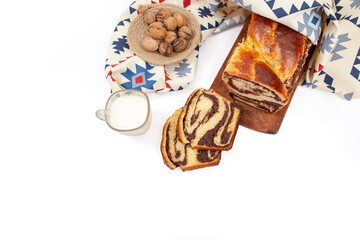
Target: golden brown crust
(180,129)
(247,64)
(280,47)
(271,56)
(167,161)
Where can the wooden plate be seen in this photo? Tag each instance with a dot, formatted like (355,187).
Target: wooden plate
(251,117)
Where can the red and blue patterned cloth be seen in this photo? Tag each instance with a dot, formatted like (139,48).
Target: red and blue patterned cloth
(334,25)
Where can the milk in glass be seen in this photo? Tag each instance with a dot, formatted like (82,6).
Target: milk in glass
(128,112)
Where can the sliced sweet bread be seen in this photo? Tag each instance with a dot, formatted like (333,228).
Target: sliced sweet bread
(178,154)
(208,121)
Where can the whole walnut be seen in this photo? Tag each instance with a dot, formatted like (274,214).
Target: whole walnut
(170,23)
(185,32)
(180,19)
(157,31)
(165,49)
(150,44)
(179,44)
(162,14)
(170,36)
(149,17)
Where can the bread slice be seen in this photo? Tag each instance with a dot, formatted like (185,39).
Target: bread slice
(178,154)
(208,121)
(264,68)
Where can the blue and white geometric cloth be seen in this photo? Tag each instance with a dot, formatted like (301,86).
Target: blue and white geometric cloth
(332,25)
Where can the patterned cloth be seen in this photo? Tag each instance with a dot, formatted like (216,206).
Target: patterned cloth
(334,26)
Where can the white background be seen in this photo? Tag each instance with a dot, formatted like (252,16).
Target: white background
(65,175)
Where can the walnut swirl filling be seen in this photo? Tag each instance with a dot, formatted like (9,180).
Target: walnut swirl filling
(205,156)
(209,120)
(178,154)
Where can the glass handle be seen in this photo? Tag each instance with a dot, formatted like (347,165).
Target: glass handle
(100,114)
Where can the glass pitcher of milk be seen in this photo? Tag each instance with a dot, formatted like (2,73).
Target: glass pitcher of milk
(127,111)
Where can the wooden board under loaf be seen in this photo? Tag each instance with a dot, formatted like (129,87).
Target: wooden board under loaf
(252,117)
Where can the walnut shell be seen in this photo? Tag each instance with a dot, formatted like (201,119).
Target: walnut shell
(162,14)
(157,31)
(150,44)
(179,44)
(170,23)
(180,19)
(157,24)
(149,17)
(185,32)
(170,36)
(165,49)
